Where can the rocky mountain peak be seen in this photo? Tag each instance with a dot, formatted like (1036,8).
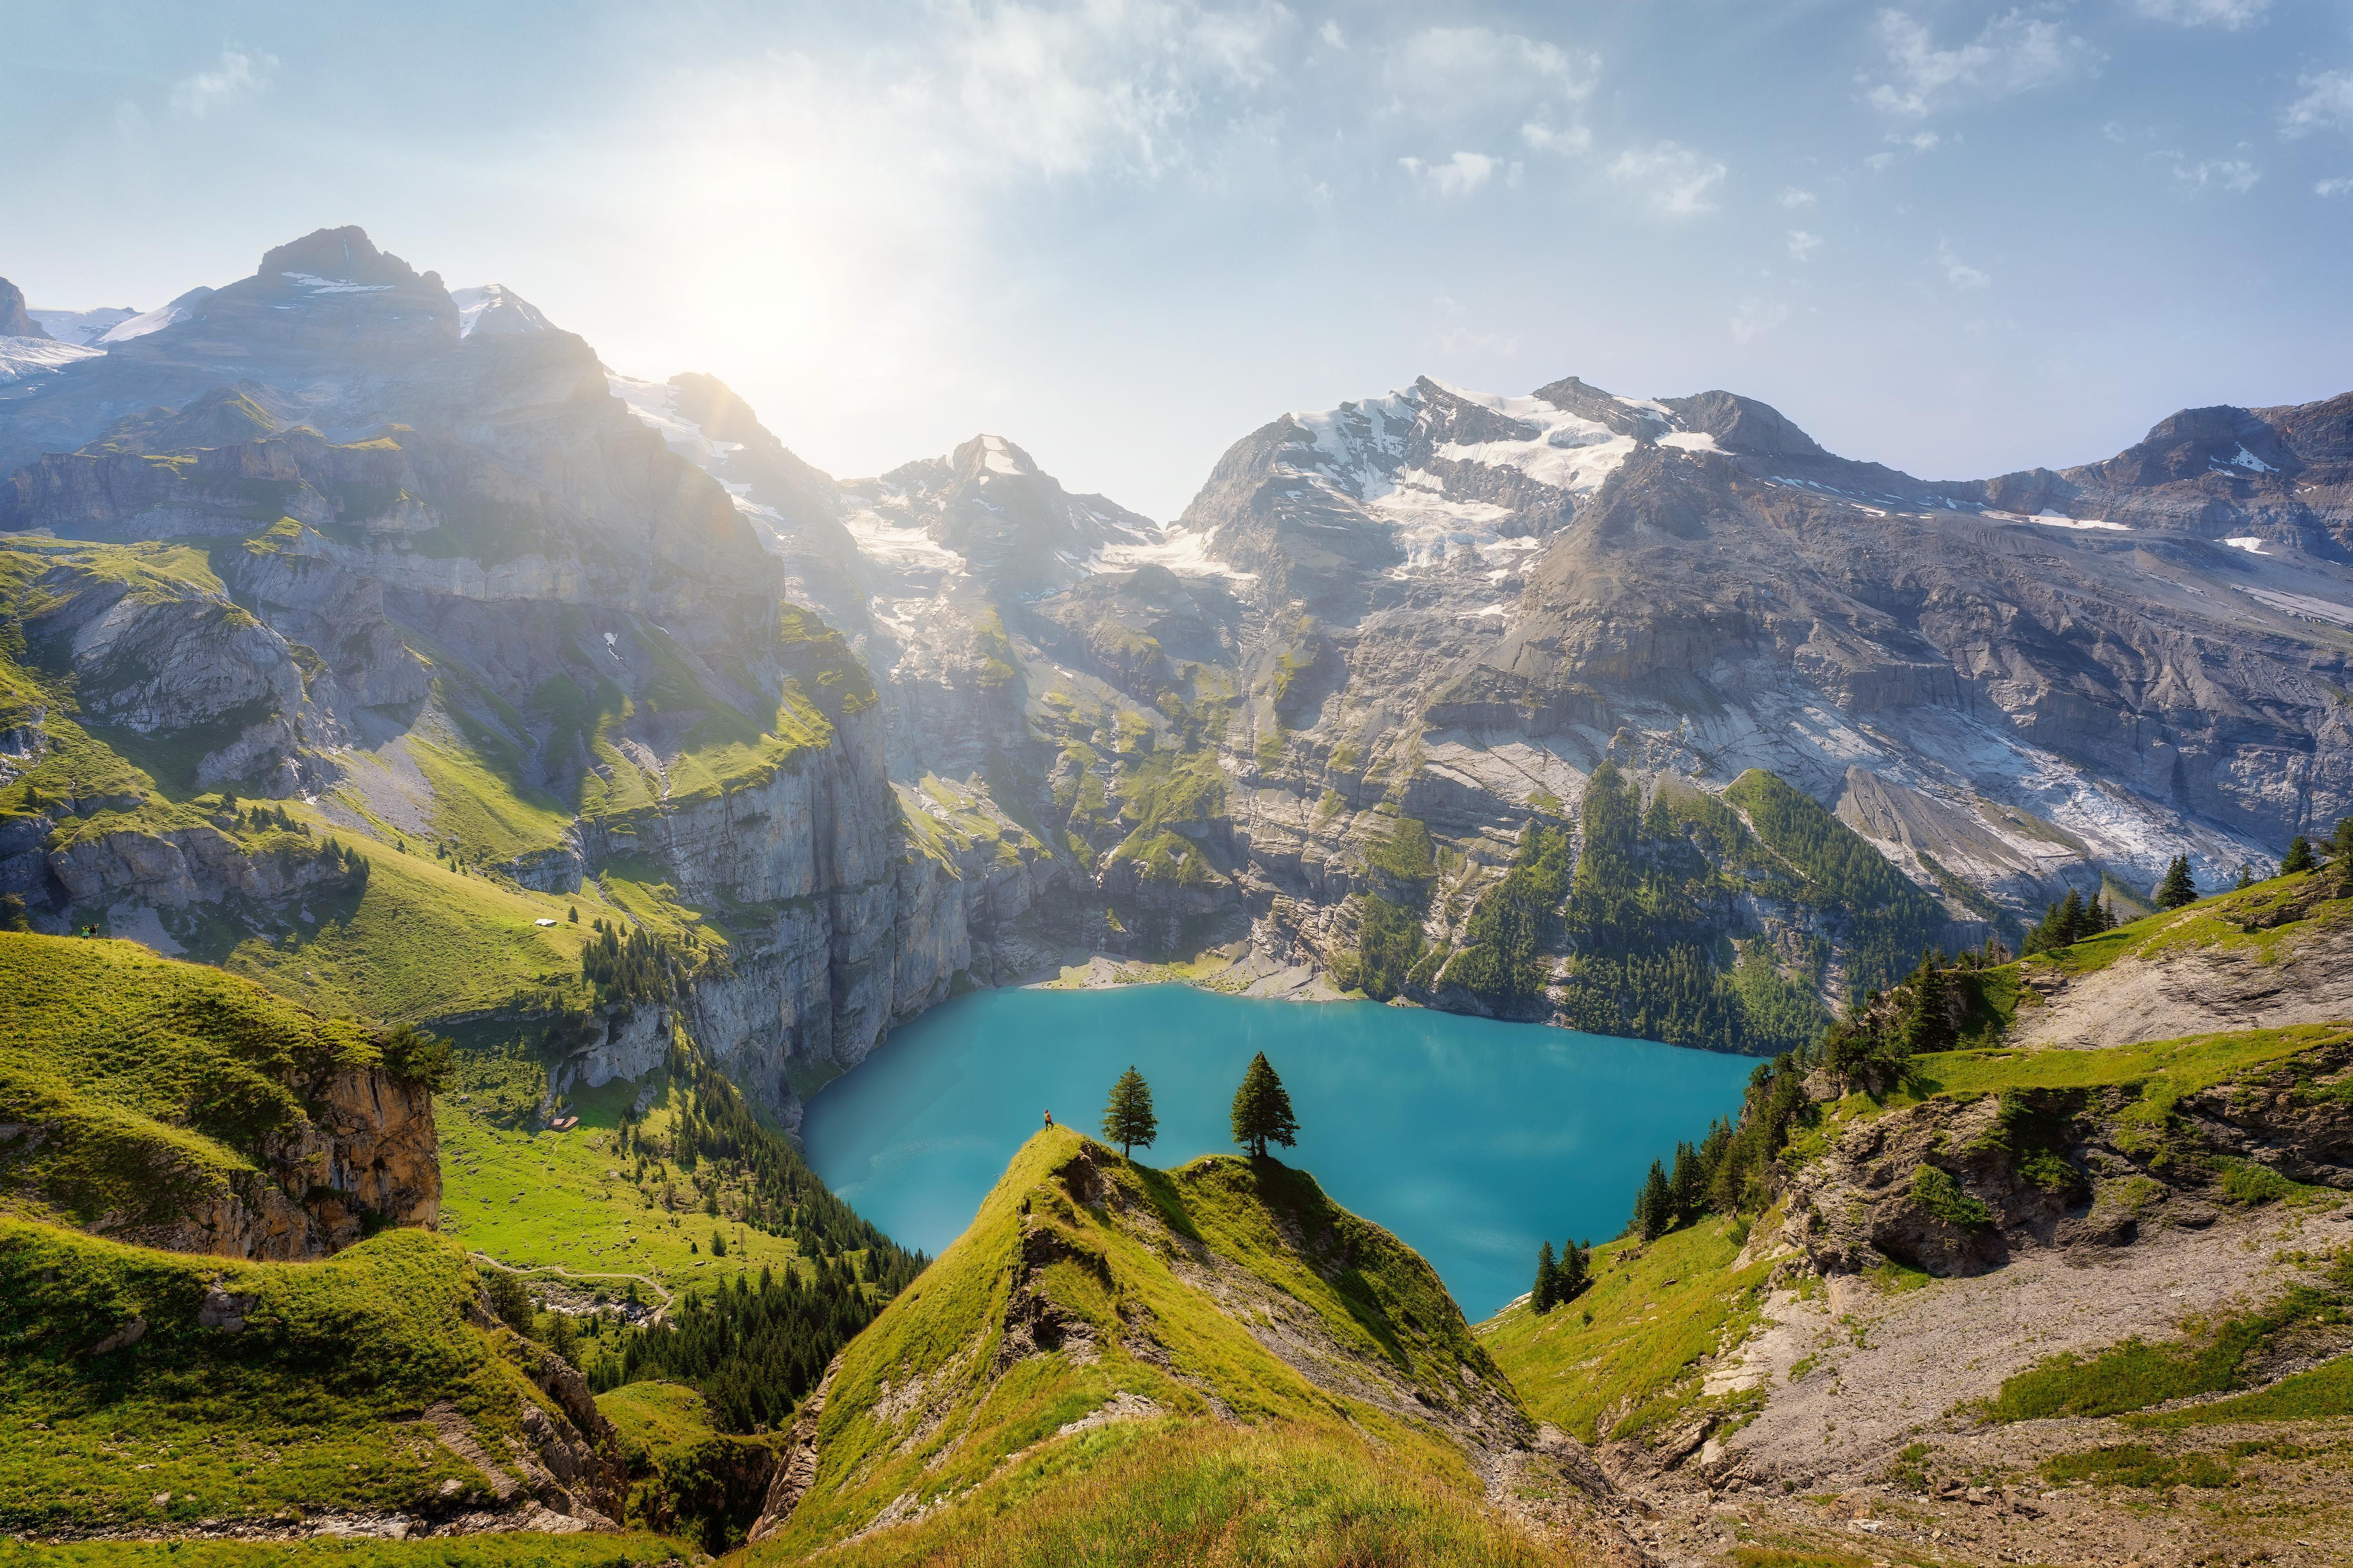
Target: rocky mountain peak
(14,322)
(496,310)
(991,457)
(1745,425)
(1625,416)
(343,255)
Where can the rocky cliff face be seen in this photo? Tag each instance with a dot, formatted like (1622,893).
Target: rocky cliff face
(366,1156)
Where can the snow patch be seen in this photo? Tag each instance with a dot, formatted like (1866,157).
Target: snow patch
(156,320)
(2246,459)
(495,308)
(23,358)
(318,285)
(994,456)
(1178,549)
(2053,520)
(2252,544)
(1568,451)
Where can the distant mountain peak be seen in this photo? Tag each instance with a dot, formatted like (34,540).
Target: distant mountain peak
(344,256)
(496,310)
(988,456)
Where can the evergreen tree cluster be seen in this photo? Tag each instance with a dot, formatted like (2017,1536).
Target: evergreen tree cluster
(1668,1200)
(1644,962)
(2335,851)
(2072,920)
(2178,888)
(774,1189)
(1389,944)
(1501,959)
(1889,919)
(1563,1279)
(635,967)
(752,1348)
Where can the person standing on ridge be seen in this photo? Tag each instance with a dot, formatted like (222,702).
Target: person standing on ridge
(1049,1119)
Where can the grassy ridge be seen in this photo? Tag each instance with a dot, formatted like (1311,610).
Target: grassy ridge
(937,1398)
(313,1404)
(1142,1496)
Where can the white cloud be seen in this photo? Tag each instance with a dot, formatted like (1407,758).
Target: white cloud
(1458,176)
(1879,162)
(2341,185)
(2235,174)
(1677,181)
(1793,198)
(1802,245)
(1567,143)
(1959,273)
(2013,53)
(1439,72)
(2232,15)
(2326,104)
(1330,33)
(239,73)
(1756,317)
(1097,88)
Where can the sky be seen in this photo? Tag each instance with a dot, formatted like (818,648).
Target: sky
(1957,238)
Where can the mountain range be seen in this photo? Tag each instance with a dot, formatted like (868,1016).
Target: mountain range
(417,561)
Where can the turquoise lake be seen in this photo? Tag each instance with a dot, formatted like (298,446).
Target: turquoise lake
(1472,1139)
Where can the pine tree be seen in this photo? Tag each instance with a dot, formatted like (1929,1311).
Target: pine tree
(1547,1284)
(1684,1185)
(1929,1027)
(2300,856)
(1128,1119)
(2177,889)
(2072,929)
(1654,1205)
(1263,1110)
(2340,844)
(1568,1280)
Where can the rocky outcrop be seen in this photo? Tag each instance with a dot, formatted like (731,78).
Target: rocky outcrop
(1957,1188)
(14,322)
(366,1155)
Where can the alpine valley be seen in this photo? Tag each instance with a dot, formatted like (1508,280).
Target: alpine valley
(458,803)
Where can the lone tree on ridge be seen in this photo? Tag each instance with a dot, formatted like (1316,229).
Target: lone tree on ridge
(1263,1110)
(1128,1120)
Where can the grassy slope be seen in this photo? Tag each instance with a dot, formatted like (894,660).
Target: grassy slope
(155,1083)
(530,1199)
(314,1404)
(1316,1478)
(1653,1312)
(420,941)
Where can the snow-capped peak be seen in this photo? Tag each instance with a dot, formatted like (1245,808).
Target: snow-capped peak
(498,311)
